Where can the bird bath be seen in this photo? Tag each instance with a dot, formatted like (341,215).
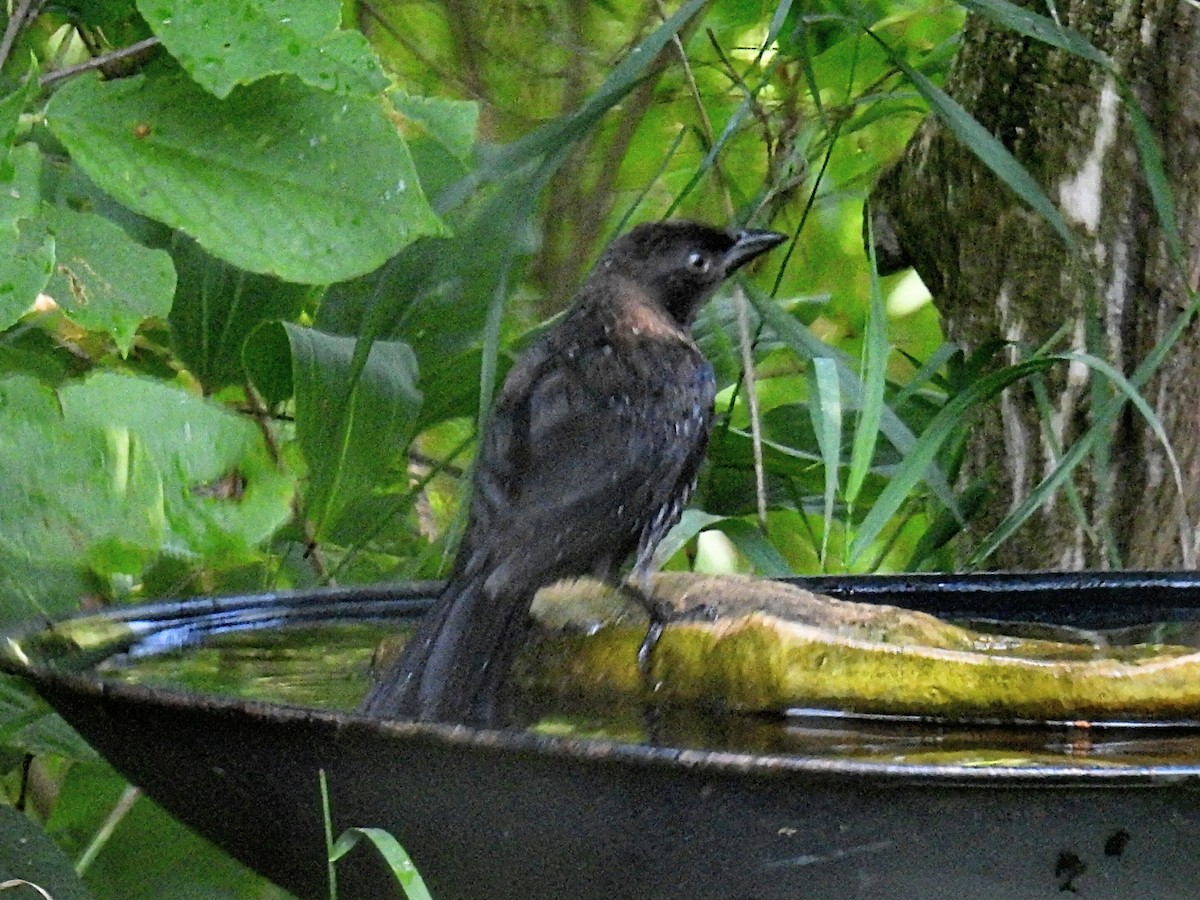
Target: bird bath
(814,805)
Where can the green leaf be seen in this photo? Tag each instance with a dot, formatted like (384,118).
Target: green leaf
(278,178)
(874,365)
(26,262)
(436,295)
(216,308)
(26,251)
(11,108)
(28,855)
(148,855)
(93,498)
(221,47)
(223,492)
(755,546)
(1038,27)
(808,346)
(46,590)
(825,409)
(452,123)
(352,415)
(20,191)
(393,854)
(28,724)
(919,458)
(103,279)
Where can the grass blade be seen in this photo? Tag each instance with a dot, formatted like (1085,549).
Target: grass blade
(808,346)
(980,141)
(397,859)
(874,364)
(1038,27)
(825,410)
(923,453)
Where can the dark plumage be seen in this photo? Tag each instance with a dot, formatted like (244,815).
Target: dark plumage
(590,456)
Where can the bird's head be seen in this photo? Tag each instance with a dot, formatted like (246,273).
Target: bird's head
(681,264)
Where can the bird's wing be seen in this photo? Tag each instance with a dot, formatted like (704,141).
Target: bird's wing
(585,454)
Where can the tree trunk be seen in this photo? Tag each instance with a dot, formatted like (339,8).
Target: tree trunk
(998,271)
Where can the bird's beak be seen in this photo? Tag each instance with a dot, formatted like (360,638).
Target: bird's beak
(749,243)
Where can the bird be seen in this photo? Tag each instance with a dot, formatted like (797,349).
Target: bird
(588,457)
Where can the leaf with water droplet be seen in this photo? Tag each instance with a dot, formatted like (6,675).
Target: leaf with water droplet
(268,179)
(307,44)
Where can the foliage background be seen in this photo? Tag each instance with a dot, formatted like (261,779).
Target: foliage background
(262,270)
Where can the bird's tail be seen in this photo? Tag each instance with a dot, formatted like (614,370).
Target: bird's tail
(456,667)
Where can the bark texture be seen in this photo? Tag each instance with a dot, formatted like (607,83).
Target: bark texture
(997,271)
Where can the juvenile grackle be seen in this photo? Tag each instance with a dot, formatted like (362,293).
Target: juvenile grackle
(590,455)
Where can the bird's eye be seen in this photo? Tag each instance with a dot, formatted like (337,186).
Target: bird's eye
(697,262)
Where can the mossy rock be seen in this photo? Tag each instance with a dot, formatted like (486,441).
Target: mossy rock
(755,645)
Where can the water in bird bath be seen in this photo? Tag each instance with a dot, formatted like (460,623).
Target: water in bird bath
(328,666)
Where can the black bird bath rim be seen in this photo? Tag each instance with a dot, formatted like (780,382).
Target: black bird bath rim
(508,814)
(1114,599)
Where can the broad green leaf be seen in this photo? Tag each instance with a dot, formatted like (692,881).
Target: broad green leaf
(267,360)
(114,14)
(351,416)
(103,279)
(436,295)
(28,724)
(222,46)
(26,251)
(26,262)
(11,108)
(20,192)
(223,493)
(452,123)
(32,588)
(278,178)
(28,855)
(216,308)
(92,499)
(149,855)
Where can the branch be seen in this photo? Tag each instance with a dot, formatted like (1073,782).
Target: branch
(98,62)
(26,10)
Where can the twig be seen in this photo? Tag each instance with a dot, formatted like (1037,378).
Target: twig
(745,344)
(26,10)
(98,62)
(119,811)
